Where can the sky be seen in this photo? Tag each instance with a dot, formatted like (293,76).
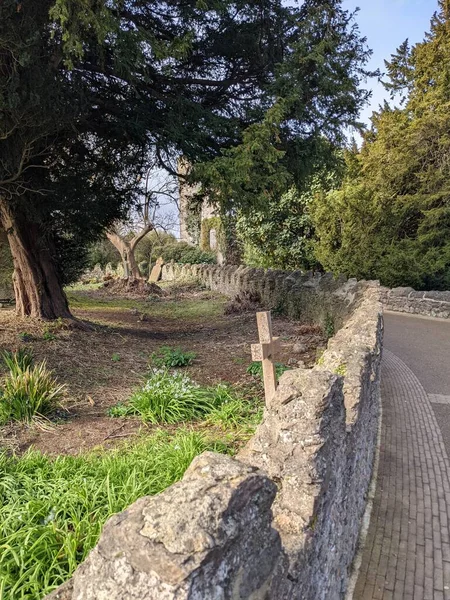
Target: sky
(386,24)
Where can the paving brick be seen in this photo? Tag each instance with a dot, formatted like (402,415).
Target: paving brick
(407,550)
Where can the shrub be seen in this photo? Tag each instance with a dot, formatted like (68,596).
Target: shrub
(168,398)
(27,391)
(182,252)
(52,510)
(158,243)
(172,357)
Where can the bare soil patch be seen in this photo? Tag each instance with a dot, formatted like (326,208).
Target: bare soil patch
(103,366)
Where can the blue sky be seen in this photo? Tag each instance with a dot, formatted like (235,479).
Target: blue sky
(386,24)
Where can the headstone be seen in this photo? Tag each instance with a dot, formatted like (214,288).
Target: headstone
(265,352)
(120,273)
(155,275)
(109,270)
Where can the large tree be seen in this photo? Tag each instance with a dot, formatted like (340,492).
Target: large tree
(391,218)
(315,97)
(88,88)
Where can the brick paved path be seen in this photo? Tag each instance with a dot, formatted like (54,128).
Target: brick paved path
(407,550)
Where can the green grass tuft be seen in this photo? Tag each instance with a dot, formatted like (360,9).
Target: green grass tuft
(167,397)
(18,361)
(52,510)
(172,357)
(234,411)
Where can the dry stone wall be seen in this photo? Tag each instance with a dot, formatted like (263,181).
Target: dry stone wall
(408,300)
(281,520)
(311,298)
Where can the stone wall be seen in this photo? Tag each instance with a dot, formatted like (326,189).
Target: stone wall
(281,521)
(406,299)
(311,298)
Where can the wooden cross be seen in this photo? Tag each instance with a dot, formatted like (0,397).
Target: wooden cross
(265,351)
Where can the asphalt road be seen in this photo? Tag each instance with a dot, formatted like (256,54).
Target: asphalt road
(424,345)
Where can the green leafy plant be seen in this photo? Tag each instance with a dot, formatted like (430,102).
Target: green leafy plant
(255,369)
(168,398)
(27,391)
(172,357)
(115,357)
(52,511)
(119,410)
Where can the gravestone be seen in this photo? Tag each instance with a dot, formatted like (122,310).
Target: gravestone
(155,275)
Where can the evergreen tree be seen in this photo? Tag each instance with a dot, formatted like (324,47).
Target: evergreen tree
(391,220)
(314,96)
(88,89)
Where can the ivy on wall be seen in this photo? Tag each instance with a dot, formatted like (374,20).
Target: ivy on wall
(193,224)
(6,263)
(206,227)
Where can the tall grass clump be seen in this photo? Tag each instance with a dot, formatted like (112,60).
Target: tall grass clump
(232,410)
(52,510)
(19,360)
(27,391)
(167,397)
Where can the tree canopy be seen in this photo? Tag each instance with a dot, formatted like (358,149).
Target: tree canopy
(88,89)
(314,96)
(391,218)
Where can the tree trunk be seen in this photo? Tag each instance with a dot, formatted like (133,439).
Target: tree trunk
(135,271)
(37,284)
(126,250)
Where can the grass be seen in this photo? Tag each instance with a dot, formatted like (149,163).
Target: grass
(52,510)
(172,397)
(27,391)
(168,308)
(18,361)
(233,410)
(168,397)
(172,357)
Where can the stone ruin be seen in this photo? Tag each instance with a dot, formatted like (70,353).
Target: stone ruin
(281,520)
